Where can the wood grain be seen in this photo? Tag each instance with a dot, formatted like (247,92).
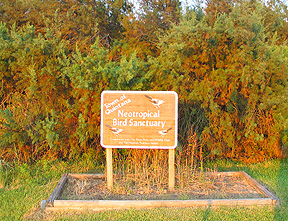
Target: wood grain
(62,205)
(57,190)
(120,204)
(136,131)
(171,169)
(109,168)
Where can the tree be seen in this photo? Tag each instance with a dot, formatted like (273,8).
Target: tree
(79,22)
(232,71)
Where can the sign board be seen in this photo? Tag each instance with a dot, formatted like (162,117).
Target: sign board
(139,119)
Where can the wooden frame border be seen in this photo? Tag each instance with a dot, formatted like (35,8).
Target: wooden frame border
(53,204)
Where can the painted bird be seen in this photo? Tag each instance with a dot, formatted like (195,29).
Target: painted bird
(155,102)
(116,131)
(164,132)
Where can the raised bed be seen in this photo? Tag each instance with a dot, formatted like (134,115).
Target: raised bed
(55,203)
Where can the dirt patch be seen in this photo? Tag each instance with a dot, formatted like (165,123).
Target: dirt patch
(198,186)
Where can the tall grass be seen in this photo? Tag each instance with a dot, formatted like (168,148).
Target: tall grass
(149,168)
(4,170)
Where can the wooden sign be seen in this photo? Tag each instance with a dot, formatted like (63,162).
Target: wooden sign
(139,119)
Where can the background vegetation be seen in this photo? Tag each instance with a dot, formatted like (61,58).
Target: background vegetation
(227,61)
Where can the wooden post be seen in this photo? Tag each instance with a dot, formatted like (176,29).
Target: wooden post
(171,169)
(109,168)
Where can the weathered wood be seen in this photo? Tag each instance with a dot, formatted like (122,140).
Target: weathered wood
(171,169)
(139,119)
(88,176)
(121,204)
(228,173)
(57,190)
(58,209)
(260,188)
(109,168)
(56,205)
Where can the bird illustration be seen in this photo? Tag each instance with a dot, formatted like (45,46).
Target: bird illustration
(116,131)
(155,102)
(164,132)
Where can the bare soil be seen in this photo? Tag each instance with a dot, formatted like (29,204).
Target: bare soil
(199,186)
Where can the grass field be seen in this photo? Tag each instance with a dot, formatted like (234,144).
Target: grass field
(23,187)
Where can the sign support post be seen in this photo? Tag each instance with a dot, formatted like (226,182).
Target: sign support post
(171,169)
(139,119)
(109,168)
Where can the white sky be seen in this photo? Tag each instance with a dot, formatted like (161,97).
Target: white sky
(192,2)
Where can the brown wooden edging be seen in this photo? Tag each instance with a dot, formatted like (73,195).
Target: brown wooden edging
(56,192)
(53,204)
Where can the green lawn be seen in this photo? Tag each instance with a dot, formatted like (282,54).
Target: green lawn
(26,186)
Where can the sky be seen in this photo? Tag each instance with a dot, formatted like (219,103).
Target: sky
(192,2)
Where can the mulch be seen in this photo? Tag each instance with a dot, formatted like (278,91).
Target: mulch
(199,186)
